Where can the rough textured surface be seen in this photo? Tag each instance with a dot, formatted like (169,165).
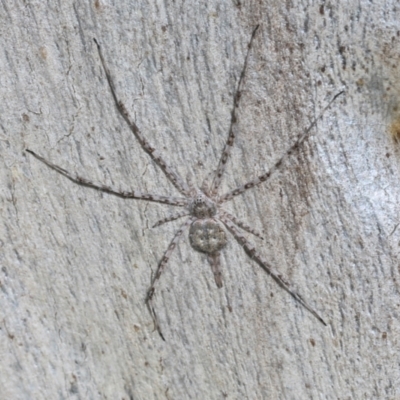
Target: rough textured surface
(76,263)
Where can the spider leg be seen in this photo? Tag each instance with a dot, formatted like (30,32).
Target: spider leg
(160,269)
(262,178)
(191,183)
(242,225)
(231,135)
(174,201)
(214,259)
(252,253)
(206,184)
(171,218)
(173,176)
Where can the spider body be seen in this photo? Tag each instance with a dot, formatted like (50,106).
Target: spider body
(207,235)
(206,220)
(202,206)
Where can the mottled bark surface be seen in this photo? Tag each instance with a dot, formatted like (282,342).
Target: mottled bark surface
(76,263)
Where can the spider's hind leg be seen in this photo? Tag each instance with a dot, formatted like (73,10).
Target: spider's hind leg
(160,269)
(243,225)
(253,254)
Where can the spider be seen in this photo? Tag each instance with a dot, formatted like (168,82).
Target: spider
(207,222)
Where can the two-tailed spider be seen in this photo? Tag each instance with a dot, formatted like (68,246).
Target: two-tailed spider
(205,219)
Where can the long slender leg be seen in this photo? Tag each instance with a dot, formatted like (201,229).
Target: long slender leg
(160,269)
(171,218)
(242,224)
(206,184)
(231,134)
(252,253)
(174,201)
(214,259)
(191,184)
(262,178)
(173,176)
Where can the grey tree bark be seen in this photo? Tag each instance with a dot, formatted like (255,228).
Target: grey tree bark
(76,263)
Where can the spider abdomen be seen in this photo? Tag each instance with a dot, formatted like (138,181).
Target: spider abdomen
(207,235)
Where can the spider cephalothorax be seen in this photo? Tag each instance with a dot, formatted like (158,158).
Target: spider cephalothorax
(206,218)
(202,207)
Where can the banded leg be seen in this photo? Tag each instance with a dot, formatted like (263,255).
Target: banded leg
(262,178)
(173,176)
(242,225)
(252,253)
(191,184)
(171,218)
(160,269)
(231,134)
(174,201)
(214,259)
(206,184)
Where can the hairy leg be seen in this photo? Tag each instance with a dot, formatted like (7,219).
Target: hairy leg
(172,175)
(171,218)
(242,225)
(253,254)
(262,178)
(231,134)
(174,201)
(160,269)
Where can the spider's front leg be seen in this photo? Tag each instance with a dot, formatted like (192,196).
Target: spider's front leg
(217,176)
(169,172)
(278,164)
